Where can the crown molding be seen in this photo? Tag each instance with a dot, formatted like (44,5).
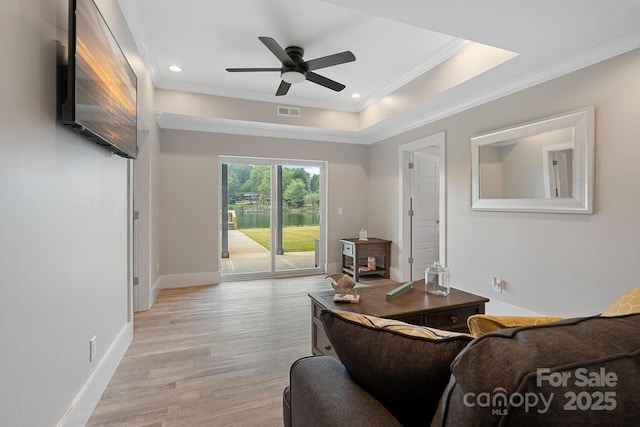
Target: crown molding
(134,20)
(445,53)
(271,130)
(252,96)
(597,54)
(450,50)
(409,120)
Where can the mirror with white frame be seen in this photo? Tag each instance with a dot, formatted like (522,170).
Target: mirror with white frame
(542,166)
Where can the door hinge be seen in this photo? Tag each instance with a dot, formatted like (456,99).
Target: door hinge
(410,260)
(136,281)
(136,215)
(410,165)
(410,213)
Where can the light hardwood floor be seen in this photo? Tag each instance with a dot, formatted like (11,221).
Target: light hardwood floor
(212,356)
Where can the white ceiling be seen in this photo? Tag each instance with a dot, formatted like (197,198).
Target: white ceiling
(394,42)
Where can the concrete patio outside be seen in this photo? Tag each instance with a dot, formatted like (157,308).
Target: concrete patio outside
(248,256)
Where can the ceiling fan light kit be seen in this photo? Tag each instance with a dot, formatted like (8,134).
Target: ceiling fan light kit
(293,77)
(296,70)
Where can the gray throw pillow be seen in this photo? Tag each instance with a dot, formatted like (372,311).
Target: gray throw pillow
(405,367)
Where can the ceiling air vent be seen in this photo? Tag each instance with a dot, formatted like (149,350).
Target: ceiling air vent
(288,111)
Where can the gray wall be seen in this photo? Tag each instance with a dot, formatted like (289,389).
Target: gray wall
(189,197)
(556,264)
(64,256)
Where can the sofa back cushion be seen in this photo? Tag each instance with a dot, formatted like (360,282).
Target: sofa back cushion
(573,372)
(406,367)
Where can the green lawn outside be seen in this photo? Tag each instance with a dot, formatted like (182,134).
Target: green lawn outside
(295,239)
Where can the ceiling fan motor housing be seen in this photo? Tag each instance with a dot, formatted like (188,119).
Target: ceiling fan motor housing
(296,53)
(296,73)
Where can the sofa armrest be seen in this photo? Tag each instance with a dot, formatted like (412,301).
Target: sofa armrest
(322,393)
(480,324)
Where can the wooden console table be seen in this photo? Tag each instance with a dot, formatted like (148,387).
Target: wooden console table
(415,307)
(355,253)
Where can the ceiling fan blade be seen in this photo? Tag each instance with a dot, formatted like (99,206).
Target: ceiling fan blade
(330,60)
(277,50)
(240,70)
(283,88)
(323,81)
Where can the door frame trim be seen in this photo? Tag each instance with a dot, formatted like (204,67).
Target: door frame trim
(273,162)
(405,155)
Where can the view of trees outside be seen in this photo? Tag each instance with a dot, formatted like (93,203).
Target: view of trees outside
(249,193)
(250,206)
(301,186)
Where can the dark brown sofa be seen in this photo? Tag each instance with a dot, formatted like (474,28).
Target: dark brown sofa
(575,372)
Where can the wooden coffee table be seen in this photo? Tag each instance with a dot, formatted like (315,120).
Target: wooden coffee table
(416,307)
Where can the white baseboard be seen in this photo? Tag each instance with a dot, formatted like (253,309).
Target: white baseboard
(185,280)
(333,267)
(155,290)
(396,274)
(85,402)
(498,308)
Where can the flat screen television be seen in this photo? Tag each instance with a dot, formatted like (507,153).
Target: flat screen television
(101,92)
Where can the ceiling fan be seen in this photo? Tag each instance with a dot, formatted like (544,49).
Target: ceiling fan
(296,70)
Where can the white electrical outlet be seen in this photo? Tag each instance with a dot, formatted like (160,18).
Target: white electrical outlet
(339,211)
(497,284)
(92,349)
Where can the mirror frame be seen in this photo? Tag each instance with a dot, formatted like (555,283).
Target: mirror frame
(582,122)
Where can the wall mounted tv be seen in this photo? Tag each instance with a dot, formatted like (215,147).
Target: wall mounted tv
(101,93)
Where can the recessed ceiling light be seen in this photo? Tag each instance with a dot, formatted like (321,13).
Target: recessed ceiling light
(355,95)
(175,68)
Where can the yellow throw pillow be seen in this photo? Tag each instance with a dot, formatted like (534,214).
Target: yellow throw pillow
(480,324)
(626,304)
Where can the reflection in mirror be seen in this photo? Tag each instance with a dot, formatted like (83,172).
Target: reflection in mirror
(544,166)
(532,167)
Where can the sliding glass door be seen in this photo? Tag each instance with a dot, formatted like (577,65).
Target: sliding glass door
(271,216)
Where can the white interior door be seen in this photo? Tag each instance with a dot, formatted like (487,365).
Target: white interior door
(425,212)
(557,170)
(561,174)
